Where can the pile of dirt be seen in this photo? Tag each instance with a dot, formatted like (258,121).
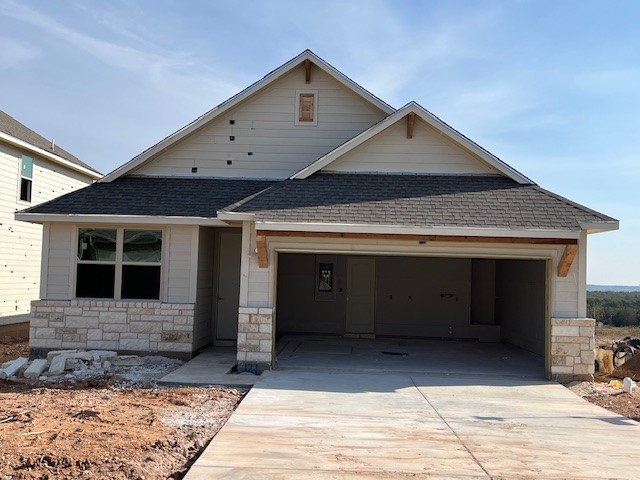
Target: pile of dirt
(100,431)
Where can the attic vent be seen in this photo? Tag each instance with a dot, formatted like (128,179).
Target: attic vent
(194,169)
(232,122)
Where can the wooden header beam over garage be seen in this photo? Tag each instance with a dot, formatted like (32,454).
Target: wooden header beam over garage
(570,250)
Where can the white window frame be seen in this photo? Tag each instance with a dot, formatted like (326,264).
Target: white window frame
(119,262)
(21,177)
(315,108)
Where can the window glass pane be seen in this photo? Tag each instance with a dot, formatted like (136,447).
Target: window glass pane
(97,244)
(142,246)
(27,167)
(140,282)
(95,281)
(25,190)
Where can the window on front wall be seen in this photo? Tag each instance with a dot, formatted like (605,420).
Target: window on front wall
(118,263)
(26,178)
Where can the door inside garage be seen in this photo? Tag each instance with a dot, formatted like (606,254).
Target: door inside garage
(488,300)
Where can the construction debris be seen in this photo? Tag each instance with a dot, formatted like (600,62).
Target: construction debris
(73,365)
(13,367)
(628,385)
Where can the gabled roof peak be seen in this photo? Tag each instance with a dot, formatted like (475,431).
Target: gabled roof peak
(432,120)
(244,94)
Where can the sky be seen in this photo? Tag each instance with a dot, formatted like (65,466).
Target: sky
(552,88)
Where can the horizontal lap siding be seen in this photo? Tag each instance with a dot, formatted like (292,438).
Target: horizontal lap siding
(264,125)
(21,242)
(427,152)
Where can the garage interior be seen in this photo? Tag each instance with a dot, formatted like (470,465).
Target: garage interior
(473,300)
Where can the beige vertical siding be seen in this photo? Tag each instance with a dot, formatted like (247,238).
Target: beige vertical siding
(427,152)
(180,287)
(59,272)
(21,242)
(265,127)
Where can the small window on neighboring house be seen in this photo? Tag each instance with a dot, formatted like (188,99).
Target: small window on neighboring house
(26,178)
(306,108)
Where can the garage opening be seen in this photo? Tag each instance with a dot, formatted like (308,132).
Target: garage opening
(485,300)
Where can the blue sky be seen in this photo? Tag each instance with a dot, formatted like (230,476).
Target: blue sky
(552,88)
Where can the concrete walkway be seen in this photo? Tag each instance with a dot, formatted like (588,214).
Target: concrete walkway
(340,425)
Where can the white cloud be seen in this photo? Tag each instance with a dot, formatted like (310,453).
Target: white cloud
(14,54)
(175,72)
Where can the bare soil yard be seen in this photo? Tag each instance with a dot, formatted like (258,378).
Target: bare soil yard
(97,431)
(601,392)
(116,426)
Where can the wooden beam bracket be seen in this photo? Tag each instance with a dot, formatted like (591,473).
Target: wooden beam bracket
(411,119)
(566,260)
(261,246)
(421,238)
(307,71)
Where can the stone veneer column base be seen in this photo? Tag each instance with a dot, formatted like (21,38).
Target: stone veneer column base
(572,349)
(124,326)
(255,339)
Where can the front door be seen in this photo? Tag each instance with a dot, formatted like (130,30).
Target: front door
(228,291)
(360,295)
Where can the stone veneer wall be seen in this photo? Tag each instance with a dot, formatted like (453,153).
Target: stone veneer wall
(255,339)
(133,326)
(572,349)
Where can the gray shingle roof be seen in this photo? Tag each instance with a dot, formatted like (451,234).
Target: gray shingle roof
(11,126)
(405,200)
(154,196)
(418,200)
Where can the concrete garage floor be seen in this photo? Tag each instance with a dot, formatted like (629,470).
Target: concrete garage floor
(486,422)
(405,355)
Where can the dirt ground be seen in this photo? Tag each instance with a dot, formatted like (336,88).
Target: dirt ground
(12,348)
(112,426)
(601,392)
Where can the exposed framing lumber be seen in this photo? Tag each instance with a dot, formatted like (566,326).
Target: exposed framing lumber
(411,120)
(421,238)
(307,71)
(261,246)
(570,252)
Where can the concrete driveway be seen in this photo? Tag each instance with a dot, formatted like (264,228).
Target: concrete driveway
(302,423)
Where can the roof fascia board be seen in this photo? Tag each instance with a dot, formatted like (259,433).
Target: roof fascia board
(233,216)
(120,219)
(431,120)
(601,227)
(240,97)
(403,230)
(48,155)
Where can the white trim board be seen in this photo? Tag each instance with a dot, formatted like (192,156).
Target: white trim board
(119,219)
